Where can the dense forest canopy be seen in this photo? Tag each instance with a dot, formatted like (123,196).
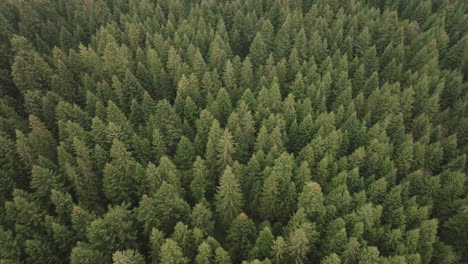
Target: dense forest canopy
(235,131)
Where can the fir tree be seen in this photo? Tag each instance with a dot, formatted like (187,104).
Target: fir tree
(228,199)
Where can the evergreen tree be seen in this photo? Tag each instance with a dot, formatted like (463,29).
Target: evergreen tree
(114,231)
(119,174)
(202,218)
(185,154)
(136,131)
(278,193)
(163,210)
(172,253)
(258,50)
(222,106)
(311,199)
(241,236)
(263,245)
(225,149)
(39,142)
(205,254)
(168,123)
(279,250)
(298,246)
(127,256)
(156,240)
(228,198)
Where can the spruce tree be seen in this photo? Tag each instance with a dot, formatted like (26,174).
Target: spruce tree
(228,198)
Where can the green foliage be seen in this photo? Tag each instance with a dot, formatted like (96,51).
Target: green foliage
(119,174)
(172,253)
(279,192)
(145,131)
(129,256)
(114,231)
(263,245)
(228,198)
(241,236)
(162,210)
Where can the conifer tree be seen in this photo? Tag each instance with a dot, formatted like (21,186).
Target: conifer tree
(298,246)
(225,150)
(172,253)
(185,154)
(279,250)
(241,236)
(263,245)
(163,210)
(331,259)
(222,106)
(168,123)
(283,40)
(39,142)
(311,199)
(119,174)
(211,153)
(202,218)
(228,198)
(258,50)
(146,131)
(205,254)
(127,256)
(114,231)
(278,192)
(156,240)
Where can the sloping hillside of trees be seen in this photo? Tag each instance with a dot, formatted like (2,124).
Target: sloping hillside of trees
(233,131)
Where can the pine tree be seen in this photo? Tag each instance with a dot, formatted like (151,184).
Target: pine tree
(228,198)
(185,154)
(84,254)
(225,150)
(205,254)
(185,239)
(258,51)
(129,256)
(247,74)
(279,250)
(311,199)
(39,142)
(168,123)
(171,253)
(279,192)
(222,256)
(200,183)
(331,259)
(114,231)
(166,171)
(119,174)
(10,250)
(203,125)
(351,251)
(156,240)
(29,70)
(241,236)
(211,154)
(222,106)
(163,210)
(43,180)
(283,40)
(159,146)
(87,184)
(426,239)
(202,218)
(263,245)
(298,246)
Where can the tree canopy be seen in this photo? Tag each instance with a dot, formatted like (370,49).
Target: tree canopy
(237,131)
